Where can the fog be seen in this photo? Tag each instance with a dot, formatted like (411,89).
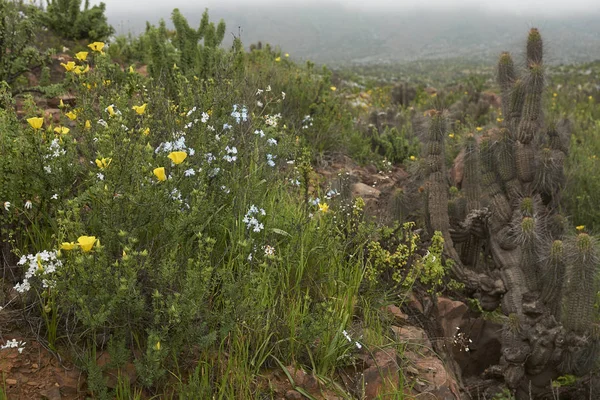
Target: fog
(527,7)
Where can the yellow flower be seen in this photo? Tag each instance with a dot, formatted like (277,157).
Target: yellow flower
(86,243)
(157,346)
(80,70)
(36,122)
(479,129)
(278,59)
(580,227)
(177,156)
(499,119)
(68,246)
(96,46)
(131,70)
(71,115)
(61,130)
(413,158)
(61,104)
(287,54)
(82,55)
(160,174)
(106,82)
(140,110)
(555,94)
(103,162)
(111,110)
(88,124)
(70,66)
(146,132)
(333,88)
(451,135)
(323,207)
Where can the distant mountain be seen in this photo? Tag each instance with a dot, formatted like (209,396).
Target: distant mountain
(332,34)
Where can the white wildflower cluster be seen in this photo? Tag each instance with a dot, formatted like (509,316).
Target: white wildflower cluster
(307,122)
(176,145)
(55,150)
(348,338)
(272,120)
(269,250)
(103,123)
(294,182)
(189,172)
(271,160)
(226,126)
(259,132)
(241,114)
(251,220)
(314,202)
(42,265)
(462,340)
(14,344)
(204,118)
(231,154)
(331,194)
(28,205)
(272,142)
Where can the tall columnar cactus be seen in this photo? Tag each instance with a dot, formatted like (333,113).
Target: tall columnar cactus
(549,279)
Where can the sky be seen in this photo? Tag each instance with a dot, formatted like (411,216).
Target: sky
(535,7)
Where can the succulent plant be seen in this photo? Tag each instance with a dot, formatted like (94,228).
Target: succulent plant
(513,176)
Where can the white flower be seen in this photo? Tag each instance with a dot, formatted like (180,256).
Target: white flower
(358,345)
(272,142)
(283,95)
(7,205)
(103,123)
(270,160)
(191,111)
(100,176)
(259,132)
(226,126)
(54,196)
(28,204)
(210,128)
(47,169)
(259,103)
(269,250)
(346,335)
(259,91)
(268,89)
(204,119)
(189,172)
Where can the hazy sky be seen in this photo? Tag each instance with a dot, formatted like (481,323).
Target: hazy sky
(535,7)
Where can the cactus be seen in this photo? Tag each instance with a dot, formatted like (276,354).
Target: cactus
(519,181)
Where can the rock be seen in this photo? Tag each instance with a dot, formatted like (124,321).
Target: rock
(293,395)
(414,337)
(51,394)
(67,99)
(396,312)
(381,377)
(10,382)
(365,191)
(451,315)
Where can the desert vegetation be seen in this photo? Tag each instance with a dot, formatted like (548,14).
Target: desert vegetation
(184,219)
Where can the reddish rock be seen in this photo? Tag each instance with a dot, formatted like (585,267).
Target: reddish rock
(381,378)
(365,191)
(396,313)
(451,315)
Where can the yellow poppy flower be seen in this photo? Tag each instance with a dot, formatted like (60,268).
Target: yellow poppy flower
(157,346)
(86,243)
(36,122)
(412,158)
(61,104)
(177,156)
(499,119)
(160,173)
(146,132)
(111,110)
(88,124)
(81,70)
(278,59)
(451,135)
(103,162)
(131,70)
(96,46)
(71,115)
(140,110)
(333,88)
(82,55)
(479,129)
(323,207)
(580,227)
(61,130)
(68,246)
(70,66)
